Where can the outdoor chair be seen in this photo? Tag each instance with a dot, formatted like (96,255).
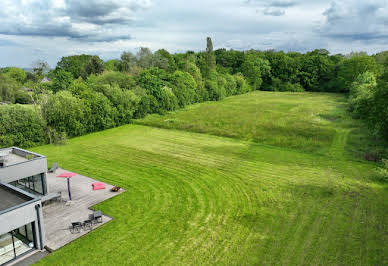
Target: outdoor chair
(75,227)
(53,168)
(97,217)
(88,225)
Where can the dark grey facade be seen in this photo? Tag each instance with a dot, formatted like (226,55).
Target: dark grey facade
(22,184)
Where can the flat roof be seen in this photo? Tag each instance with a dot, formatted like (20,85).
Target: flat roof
(14,155)
(10,198)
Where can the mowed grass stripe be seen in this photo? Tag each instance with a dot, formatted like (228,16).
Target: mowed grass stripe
(197,199)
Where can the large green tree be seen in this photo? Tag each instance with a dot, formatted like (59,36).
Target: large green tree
(94,66)
(231,60)
(210,58)
(74,64)
(254,68)
(16,73)
(65,113)
(184,87)
(61,80)
(8,87)
(354,66)
(128,62)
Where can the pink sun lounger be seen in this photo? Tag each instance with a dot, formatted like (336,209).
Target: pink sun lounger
(98,186)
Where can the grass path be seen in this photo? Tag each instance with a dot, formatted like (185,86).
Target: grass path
(196,199)
(337,148)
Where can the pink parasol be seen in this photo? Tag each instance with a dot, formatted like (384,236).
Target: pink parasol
(67,175)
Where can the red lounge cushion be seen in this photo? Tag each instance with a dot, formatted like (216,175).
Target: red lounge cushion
(98,186)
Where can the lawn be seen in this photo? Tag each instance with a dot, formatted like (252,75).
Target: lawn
(309,122)
(196,199)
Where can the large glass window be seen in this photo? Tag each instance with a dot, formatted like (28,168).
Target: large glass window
(16,243)
(33,184)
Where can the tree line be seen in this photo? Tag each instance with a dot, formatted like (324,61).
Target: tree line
(85,94)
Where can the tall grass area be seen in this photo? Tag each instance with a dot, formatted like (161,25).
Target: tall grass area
(310,122)
(197,199)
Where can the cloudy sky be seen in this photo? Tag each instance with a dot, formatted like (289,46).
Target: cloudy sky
(50,29)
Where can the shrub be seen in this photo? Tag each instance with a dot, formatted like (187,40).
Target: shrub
(125,101)
(61,80)
(293,87)
(254,68)
(201,92)
(351,68)
(361,93)
(65,113)
(279,85)
(8,87)
(123,80)
(169,101)
(184,87)
(59,138)
(18,74)
(147,105)
(230,85)
(382,172)
(99,112)
(216,93)
(22,97)
(242,85)
(21,125)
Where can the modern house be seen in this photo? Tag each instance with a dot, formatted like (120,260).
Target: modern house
(22,187)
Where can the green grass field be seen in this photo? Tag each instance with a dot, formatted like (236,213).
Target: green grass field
(195,199)
(309,122)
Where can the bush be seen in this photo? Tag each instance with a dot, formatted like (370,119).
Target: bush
(377,117)
(123,80)
(216,93)
(279,85)
(201,92)
(125,101)
(147,105)
(361,93)
(8,87)
(351,68)
(230,85)
(382,172)
(254,68)
(65,113)
(61,80)
(18,74)
(169,101)
(21,125)
(184,87)
(99,112)
(22,97)
(242,85)
(293,87)
(59,138)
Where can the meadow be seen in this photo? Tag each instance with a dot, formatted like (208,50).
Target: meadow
(201,199)
(309,122)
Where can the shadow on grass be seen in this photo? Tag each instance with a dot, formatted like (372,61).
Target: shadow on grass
(316,191)
(255,222)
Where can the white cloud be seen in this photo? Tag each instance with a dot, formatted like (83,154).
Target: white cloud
(49,29)
(94,20)
(350,20)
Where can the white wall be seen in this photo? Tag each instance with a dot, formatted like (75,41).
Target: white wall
(21,216)
(18,171)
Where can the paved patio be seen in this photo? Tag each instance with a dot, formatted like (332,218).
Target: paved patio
(59,215)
